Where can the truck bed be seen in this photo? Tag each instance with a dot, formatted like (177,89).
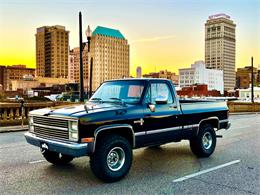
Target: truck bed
(202,106)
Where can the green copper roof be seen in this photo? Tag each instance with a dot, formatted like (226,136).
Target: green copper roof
(108,32)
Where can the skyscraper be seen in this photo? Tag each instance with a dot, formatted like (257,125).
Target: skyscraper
(52,50)
(110,52)
(73,72)
(220,47)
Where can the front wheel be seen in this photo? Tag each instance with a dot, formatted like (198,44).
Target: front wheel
(112,159)
(56,158)
(203,145)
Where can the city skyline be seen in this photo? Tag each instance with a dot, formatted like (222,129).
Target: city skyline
(169,35)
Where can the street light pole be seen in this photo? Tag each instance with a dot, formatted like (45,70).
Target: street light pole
(252,80)
(89,34)
(91,75)
(81,92)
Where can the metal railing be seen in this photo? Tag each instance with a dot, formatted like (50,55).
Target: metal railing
(17,113)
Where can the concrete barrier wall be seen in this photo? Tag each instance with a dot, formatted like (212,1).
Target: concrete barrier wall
(243,107)
(14,114)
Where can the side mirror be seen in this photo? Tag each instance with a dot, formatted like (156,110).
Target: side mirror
(152,107)
(161,100)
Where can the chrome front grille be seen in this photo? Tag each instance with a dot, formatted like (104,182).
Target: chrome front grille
(46,127)
(51,133)
(50,122)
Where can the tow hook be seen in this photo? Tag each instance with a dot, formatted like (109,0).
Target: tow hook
(219,136)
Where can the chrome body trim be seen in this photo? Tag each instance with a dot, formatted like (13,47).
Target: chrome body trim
(115,126)
(163,130)
(207,119)
(140,133)
(141,121)
(188,126)
(55,117)
(224,121)
(228,125)
(50,127)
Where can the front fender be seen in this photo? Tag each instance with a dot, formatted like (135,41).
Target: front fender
(114,127)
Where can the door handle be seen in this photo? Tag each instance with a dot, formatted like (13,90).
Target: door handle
(173,107)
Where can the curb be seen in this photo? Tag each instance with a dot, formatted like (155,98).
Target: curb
(243,113)
(13,129)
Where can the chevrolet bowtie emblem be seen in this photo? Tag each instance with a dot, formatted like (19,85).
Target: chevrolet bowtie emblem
(141,121)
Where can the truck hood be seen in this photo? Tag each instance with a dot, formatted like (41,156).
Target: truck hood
(79,110)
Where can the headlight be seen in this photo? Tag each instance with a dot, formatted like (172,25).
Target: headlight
(74,136)
(73,131)
(30,120)
(74,125)
(31,127)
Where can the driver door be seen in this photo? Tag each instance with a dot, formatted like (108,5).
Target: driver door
(163,124)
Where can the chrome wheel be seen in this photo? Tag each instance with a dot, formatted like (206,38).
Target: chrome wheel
(207,140)
(116,159)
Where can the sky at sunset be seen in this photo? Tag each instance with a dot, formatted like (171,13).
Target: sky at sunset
(162,34)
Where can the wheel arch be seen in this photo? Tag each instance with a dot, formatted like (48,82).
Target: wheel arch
(214,121)
(124,130)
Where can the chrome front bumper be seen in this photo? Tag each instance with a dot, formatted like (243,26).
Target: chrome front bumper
(72,149)
(228,125)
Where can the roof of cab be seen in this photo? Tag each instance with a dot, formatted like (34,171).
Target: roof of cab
(139,79)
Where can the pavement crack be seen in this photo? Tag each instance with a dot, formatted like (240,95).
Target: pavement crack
(223,185)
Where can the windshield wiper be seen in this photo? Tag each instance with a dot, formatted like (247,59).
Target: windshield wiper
(118,99)
(96,99)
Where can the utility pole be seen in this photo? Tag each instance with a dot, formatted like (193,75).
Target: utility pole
(252,80)
(81,92)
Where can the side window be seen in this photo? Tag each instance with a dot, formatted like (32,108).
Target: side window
(148,96)
(161,90)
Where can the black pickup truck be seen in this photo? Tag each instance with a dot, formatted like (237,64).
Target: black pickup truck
(123,115)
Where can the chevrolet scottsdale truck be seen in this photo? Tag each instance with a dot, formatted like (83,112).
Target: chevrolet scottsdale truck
(123,115)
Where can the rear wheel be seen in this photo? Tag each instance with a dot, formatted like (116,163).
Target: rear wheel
(112,159)
(56,158)
(203,145)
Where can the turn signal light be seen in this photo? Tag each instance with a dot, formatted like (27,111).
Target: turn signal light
(87,139)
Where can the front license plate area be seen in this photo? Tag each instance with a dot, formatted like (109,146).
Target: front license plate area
(44,146)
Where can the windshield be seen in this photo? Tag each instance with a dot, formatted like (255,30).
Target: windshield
(119,91)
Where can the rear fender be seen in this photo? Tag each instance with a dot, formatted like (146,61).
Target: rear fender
(214,121)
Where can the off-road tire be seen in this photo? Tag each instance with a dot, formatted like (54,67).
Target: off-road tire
(196,143)
(99,162)
(56,158)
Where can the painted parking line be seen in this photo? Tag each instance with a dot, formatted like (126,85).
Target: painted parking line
(206,171)
(36,161)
